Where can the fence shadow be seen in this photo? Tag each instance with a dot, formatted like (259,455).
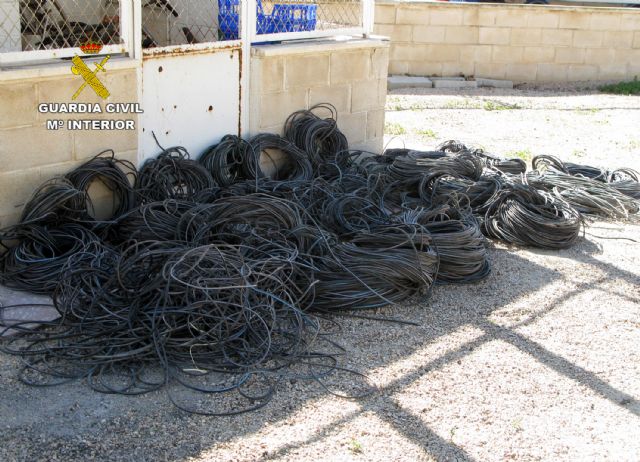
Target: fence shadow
(72,414)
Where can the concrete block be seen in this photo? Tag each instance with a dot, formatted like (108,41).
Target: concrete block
(400,81)
(470,17)
(428,34)
(548,72)
(272,77)
(425,68)
(522,72)
(475,53)
(375,124)
(587,38)
(574,19)
(511,17)
(338,95)
(494,83)
(354,126)
(401,33)
(599,56)
(385,14)
(445,83)
(617,39)
(398,67)
(446,16)
(622,56)
(636,40)
(569,55)
(408,52)
(506,54)
(462,35)
(440,53)
(306,70)
(375,145)
(494,36)
(612,71)
(543,18)
(458,78)
(350,66)
(276,107)
(18,104)
(365,95)
(16,188)
(526,36)
(491,70)
(537,55)
(486,17)
(456,68)
(605,21)
(408,15)
(88,143)
(630,22)
(582,72)
(561,37)
(23,148)
(379,63)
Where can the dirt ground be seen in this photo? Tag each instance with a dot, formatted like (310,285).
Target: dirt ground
(541,361)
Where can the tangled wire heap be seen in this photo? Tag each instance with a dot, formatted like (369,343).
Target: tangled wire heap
(216,275)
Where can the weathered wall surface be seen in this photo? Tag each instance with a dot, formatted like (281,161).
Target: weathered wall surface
(523,43)
(350,75)
(30,154)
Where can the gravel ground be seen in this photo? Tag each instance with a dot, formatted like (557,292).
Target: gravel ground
(541,361)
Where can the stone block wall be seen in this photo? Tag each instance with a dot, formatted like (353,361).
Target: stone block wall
(31,154)
(523,43)
(351,75)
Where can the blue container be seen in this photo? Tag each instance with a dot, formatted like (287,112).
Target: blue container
(285,18)
(229,19)
(293,18)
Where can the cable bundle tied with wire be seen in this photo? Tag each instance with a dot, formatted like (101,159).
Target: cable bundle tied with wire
(211,276)
(38,261)
(117,175)
(270,155)
(458,240)
(225,160)
(160,314)
(521,215)
(172,175)
(588,196)
(626,181)
(417,162)
(151,221)
(385,265)
(320,138)
(55,202)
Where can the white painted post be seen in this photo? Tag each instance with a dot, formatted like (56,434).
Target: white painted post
(368,11)
(247,33)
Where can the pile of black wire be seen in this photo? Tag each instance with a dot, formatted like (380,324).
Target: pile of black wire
(217,275)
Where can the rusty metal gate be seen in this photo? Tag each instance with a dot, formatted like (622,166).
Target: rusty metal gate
(191,73)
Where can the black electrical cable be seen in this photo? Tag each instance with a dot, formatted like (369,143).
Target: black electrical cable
(172,175)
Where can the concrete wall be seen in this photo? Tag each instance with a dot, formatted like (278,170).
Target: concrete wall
(517,42)
(30,154)
(350,75)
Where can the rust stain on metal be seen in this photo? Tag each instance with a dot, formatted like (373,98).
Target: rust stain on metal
(161,52)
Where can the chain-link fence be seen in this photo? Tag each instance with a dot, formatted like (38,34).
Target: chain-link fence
(182,22)
(28,25)
(276,16)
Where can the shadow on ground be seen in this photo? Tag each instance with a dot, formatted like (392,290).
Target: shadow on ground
(75,423)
